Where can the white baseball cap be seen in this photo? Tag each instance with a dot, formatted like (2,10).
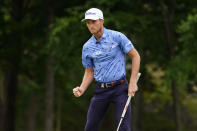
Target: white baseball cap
(93,14)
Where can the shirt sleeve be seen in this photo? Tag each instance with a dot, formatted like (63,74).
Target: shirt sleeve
(125,43)
(86,60)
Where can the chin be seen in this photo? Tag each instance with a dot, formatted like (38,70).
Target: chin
(93,32)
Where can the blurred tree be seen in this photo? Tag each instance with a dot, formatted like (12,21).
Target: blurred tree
(168,13)
(14,50)
(49,72)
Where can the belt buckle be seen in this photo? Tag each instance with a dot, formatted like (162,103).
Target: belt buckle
(107,85)
(102,85)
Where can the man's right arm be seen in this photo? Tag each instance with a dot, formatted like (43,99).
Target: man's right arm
(87,79)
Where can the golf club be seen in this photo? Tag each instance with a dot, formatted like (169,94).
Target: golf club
(126,107)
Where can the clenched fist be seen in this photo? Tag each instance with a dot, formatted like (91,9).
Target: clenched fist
(78,91)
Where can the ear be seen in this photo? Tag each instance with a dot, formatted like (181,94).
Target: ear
(102,20)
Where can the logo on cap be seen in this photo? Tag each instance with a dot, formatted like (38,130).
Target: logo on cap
(90,13)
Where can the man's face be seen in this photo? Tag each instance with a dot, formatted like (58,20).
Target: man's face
(94,26)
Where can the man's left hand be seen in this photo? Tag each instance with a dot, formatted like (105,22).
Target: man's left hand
(132,89)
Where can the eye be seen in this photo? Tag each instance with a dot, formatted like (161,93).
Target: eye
(87,22)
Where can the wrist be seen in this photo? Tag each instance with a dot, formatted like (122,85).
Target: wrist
(82,88)
(133,81)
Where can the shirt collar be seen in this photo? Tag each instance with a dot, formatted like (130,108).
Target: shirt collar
(102,37)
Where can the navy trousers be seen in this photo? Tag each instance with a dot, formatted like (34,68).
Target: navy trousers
(99,103)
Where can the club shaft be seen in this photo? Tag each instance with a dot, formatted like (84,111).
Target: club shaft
(126,107)
(119,124)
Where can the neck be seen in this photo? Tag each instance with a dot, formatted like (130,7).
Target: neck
(99,34)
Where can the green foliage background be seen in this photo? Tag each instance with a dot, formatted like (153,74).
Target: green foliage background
(141,21)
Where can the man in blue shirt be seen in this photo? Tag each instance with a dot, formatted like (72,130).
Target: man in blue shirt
(103,58)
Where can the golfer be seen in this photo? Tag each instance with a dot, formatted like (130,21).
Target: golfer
(103,57)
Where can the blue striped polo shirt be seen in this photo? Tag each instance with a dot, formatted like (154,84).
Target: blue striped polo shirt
(107,57)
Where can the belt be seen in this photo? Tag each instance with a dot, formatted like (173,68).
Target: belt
(110,84)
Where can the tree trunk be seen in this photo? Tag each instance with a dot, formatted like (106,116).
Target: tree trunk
(1,112)
(10,87)
(58,118)
(31,114)
(49,87)
(176,105)
(49,78)
(168,17)
(11,73)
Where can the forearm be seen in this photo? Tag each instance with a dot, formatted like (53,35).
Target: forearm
(87,79)
(135,66)
(135,69)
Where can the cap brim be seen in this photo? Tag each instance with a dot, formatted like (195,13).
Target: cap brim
(83,20)
(90,17)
